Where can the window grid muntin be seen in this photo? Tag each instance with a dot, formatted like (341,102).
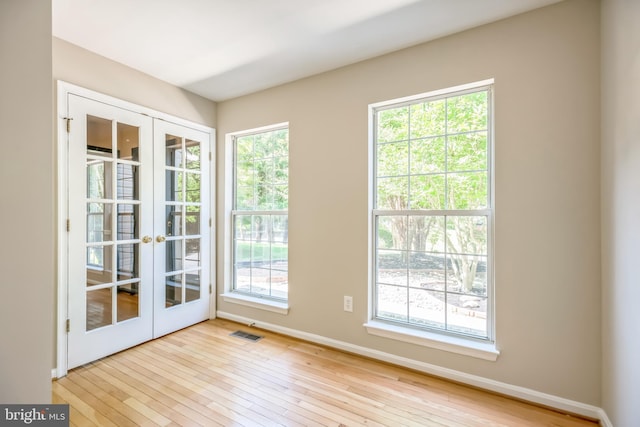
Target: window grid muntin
(181,165)
(270,213)
(486,212)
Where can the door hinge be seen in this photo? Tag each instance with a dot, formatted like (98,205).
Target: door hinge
(210,223)
(210,289)
(68,325)
(68,119)
(68,225)
(210,156)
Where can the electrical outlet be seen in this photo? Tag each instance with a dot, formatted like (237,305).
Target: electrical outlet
(348,303)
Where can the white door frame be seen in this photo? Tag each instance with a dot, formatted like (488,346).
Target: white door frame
(63,90)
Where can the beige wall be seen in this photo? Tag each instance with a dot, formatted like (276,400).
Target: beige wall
(621,210)
(26,172)
(547,243)
(76,65)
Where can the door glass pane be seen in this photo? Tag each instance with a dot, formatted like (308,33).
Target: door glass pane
(128,142)
(99,136)
(173,290)
(174,255)
(127,182)
(128,261)
(192,260)
(174,151)
(128,221)
(99,179)
(192,285)
(193,154)
(99,222)
(174,220)
(127,303)
(99,265)
(173,185)
(192,220)
(193,188)
(99,305)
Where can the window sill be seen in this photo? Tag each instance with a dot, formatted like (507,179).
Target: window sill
(255,302)
(480,350)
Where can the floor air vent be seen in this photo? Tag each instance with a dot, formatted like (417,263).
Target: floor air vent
(246,335)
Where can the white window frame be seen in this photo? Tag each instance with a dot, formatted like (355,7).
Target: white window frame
(483,348)
(264,302)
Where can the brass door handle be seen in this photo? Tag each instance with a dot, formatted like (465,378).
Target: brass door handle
(160,239)
(146,239)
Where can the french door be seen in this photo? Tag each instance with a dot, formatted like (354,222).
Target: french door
(138,228)
(181,224)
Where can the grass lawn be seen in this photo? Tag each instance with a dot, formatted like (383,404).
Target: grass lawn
(260,251)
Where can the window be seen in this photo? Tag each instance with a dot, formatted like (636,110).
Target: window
(432,212)
(259,216)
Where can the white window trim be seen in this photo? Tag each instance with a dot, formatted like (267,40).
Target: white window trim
(272,305)
(275,305)
(485,349)
(454,344)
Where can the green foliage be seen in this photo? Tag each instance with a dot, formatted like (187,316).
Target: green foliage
(467,113)
(262,171)
(428,155)
(428,119)
(385,238)
(260,252)
(393,125)
(448,136)
(433,155)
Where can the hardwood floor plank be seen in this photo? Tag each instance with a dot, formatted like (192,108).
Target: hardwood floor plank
(79,404)
(140,375)
(113,407)
(76,418)
(202,376)
(156,392)
(117,388)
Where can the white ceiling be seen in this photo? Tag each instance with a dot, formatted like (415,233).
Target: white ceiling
(221,49)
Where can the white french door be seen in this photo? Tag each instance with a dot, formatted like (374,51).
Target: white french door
(181,224)
(138,228)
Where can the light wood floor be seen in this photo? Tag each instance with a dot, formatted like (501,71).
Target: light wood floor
(204,376)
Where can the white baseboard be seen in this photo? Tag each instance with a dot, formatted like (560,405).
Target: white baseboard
(604,419)
(562,404)
(54,373)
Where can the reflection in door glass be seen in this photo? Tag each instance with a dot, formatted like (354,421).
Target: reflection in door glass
(99,308)
(173,290)
(192,258)
(127,182)
(173,184)
(128,142)
(174,151)
(127,301)
(192,285)
(193,188)
(98,222)
(99,136)
(174,220)
(128,261)
(99,265)
(192,220)
(193,154)
(128,221)
(98,179)
(174,255)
